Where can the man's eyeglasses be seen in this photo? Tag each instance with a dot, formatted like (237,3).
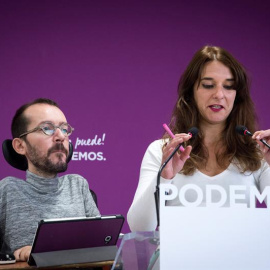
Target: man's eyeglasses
(49,129)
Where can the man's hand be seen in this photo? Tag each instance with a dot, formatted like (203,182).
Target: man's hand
(22,254)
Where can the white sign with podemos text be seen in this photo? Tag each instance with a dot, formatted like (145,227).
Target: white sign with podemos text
(212,237)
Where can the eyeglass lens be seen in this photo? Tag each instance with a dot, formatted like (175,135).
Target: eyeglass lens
(49,128)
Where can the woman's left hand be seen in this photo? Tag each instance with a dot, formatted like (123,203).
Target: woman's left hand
(263,135)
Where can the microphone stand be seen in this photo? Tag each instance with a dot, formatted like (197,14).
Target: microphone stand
(157,193)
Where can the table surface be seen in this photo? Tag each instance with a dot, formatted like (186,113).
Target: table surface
(24,265)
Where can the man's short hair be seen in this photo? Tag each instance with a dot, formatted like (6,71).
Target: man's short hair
(20,122)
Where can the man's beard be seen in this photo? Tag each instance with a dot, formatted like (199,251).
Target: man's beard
(44,163)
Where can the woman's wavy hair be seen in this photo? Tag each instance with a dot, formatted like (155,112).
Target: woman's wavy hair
(239,149)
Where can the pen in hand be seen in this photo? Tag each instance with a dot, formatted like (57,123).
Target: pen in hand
(181,148)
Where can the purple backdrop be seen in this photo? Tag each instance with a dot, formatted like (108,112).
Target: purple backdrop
(113,67)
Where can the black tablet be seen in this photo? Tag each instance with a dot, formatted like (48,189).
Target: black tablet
(76,233)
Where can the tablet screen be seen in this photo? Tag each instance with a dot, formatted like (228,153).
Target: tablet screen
(64,234)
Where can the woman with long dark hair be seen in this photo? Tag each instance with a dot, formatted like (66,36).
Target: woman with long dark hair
(214,96)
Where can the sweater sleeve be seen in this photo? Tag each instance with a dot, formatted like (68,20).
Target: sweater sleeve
(263,176)
(142,213)
(1,221)
(91,209)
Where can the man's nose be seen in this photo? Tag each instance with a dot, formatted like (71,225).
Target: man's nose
(58,135)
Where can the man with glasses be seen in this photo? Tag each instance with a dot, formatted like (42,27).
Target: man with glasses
(41,133)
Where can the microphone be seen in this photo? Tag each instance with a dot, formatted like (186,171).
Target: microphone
(242,130)
(193,132)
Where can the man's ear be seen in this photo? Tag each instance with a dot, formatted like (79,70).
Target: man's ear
(19,146)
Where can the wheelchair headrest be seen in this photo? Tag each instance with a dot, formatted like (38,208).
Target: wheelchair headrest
(19,161)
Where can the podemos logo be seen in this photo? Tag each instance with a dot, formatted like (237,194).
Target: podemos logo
(96,141)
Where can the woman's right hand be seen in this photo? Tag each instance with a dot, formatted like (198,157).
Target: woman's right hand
(176,164)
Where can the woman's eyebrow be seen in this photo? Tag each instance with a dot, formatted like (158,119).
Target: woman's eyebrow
(211,79)
(207,78)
